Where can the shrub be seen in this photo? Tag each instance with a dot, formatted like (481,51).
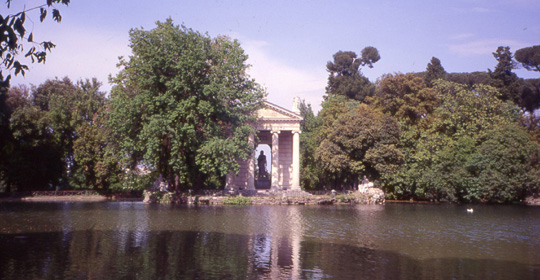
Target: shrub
(237,200)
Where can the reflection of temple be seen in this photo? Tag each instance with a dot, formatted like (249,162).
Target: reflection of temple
(277,253)
(278,128)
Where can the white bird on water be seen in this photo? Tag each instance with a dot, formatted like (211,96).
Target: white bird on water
(470,210)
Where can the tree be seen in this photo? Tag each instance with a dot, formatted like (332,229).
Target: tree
(362,142)
(505,60)
(434,71)
(309,177)
(96,154)
(529,58)
(56,99)
(504,79)
(370,55)
(505,168)
(404,96)
(345,76)
(33,159)
(183,105)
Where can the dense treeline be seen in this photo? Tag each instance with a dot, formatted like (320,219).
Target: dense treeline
(181,108)
(459,137)
(57,137)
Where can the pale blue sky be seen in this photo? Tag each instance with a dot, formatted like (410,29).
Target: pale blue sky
(289,42)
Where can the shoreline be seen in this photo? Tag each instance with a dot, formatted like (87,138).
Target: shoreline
(222,200)
(184,199)
(68,198)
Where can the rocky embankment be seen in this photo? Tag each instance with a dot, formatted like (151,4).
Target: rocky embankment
(533,201)
(372,196)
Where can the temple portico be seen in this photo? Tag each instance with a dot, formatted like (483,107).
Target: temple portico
(278,128)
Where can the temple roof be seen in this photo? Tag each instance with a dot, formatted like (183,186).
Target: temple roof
(273,112)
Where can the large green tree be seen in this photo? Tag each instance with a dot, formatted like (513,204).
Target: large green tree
(362,141)
(523,93)
(505,80)
(505,168)
(183,105)
(529,57)
(404,96)
(434,71)
(346,78)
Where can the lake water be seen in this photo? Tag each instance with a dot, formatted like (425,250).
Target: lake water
(113,240)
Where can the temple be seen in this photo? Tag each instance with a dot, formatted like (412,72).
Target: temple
(278,128)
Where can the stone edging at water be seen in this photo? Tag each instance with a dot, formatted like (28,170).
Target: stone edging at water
(66,198)
(375,196)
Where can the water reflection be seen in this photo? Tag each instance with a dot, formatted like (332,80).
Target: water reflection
(136,241)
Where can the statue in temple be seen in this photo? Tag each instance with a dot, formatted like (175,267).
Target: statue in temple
(261,163)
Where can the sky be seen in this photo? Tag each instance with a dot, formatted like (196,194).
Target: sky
(289,42)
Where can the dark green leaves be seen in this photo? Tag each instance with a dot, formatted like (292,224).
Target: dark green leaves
(529,58)
(56,15)
(370,55)
(43,14)
(345,77)
(12,38)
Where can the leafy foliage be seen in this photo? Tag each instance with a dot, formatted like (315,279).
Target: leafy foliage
(404,97)
(361,142)
(237,200)
(183,104)
(309,177)
(505,168)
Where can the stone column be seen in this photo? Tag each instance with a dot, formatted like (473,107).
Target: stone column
(275,160)
(296,161)
(251,165)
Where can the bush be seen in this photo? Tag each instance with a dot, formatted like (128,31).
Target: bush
(237,200)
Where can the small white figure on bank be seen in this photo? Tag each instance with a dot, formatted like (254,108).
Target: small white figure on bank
(365,185)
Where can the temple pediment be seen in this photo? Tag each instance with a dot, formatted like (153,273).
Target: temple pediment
(274,117)
(274,112)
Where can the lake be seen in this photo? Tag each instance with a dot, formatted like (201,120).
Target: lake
(116,240)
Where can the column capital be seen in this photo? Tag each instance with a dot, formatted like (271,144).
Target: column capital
(296,131)
(275,131)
